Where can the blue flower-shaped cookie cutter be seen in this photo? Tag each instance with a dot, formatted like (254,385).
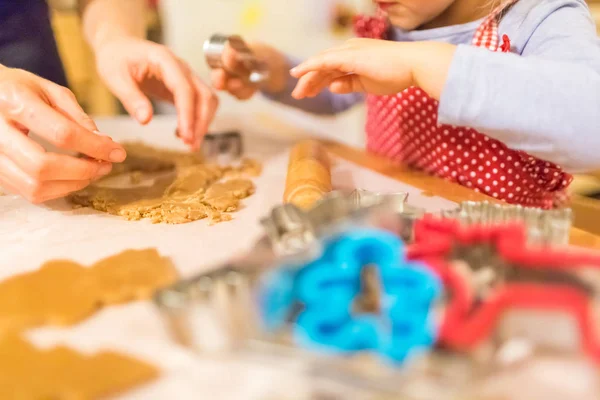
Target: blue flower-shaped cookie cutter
(326,289)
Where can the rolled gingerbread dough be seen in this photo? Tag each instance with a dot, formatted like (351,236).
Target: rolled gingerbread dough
(169,187)
(27,372)
(63,292)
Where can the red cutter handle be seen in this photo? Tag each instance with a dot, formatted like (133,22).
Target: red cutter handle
(466,331)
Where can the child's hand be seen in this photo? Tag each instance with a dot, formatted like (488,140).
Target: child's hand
(235,79)
(375,66)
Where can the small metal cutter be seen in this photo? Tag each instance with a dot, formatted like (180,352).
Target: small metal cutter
(215,46)
(546,227)
(293,231)
(224,147)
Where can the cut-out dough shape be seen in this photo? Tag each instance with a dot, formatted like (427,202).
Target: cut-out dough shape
(29,373)
(64,292)
(192,190)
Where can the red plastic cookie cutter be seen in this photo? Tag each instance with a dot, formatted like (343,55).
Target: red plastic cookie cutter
(529,278)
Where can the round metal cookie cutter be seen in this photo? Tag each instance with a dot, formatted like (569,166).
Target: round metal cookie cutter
(214,48)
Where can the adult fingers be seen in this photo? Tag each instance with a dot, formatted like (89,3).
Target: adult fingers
(35,191)
(208,103)
(185,96)
(40,165)
(126,89)
(65,101)
(34,113)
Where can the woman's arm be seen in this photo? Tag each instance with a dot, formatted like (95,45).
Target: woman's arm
(105,19)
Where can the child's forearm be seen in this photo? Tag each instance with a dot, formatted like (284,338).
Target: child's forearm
(325,103)
(431,76)
(547,108)
(106,19)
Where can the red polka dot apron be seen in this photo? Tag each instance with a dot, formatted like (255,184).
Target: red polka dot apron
(404,128)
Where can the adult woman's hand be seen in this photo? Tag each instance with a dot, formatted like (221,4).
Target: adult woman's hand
(135,68)
(30,103)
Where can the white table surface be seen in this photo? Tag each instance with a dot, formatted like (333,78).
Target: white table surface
(31,235)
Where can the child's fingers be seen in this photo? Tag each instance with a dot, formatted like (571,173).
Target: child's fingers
(218,78)
(235,84)
(306,84)
(346,84)
(244,93)
(321,82)
(240,89)
(235,62)
(314,82)
(338,60)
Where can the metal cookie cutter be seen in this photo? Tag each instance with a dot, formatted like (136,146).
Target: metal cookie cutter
(313,311)
(546,227)
(405,215)
(211,312)
(215,46)
(224,148)
(290,234)
(493,273)
(293,231)
(273,305)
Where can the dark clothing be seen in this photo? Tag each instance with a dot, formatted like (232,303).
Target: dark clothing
(27,40)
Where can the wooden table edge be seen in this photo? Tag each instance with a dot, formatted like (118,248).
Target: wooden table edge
(432,185)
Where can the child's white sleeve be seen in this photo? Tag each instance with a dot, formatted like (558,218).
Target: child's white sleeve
(545,101)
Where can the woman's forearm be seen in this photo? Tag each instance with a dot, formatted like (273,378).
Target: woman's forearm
(104,20)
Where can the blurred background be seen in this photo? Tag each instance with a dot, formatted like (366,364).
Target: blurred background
(298,27)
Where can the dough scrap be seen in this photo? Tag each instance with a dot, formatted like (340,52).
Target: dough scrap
(247,167)
(186,190)
(27,372)
(64,292)
(144,158)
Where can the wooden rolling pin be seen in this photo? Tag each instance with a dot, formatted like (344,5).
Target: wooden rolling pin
(308,175)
